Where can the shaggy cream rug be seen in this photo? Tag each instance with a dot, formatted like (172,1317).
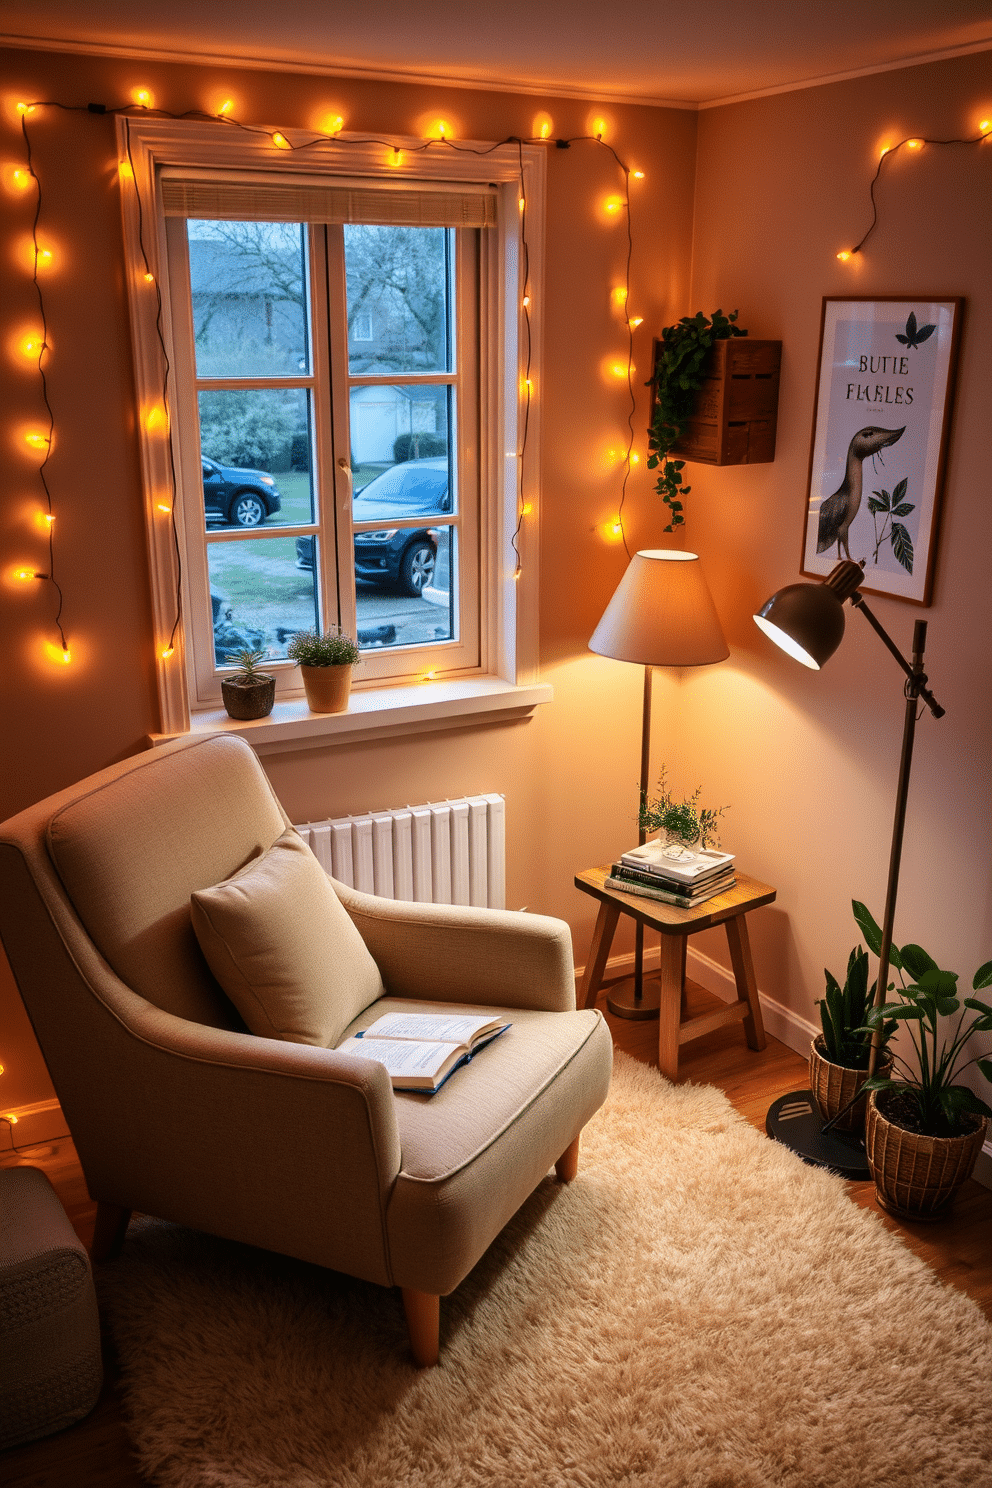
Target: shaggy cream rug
(697,1310)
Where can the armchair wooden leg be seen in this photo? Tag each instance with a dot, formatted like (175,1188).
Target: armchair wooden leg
(423,1319)
(109,1231)
(568,1164)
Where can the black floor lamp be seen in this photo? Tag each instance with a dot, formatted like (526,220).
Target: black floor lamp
(662,614)
(807,622)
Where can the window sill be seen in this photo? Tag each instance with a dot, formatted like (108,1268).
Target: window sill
(376,713)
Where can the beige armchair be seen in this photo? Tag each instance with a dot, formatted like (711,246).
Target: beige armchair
(177,1110)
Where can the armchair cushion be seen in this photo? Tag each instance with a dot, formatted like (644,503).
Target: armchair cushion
(284,949)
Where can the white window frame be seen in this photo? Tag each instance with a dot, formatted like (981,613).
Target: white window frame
(505,680)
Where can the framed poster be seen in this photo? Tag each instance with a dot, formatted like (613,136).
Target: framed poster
(879,446)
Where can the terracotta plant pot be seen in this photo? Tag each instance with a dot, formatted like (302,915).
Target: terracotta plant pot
(328,688)
(249,699)
(833,1085)
(916,1177)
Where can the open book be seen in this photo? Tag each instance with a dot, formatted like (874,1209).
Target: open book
(420,1050)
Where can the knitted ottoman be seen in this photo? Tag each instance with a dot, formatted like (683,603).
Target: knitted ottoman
(50,1366)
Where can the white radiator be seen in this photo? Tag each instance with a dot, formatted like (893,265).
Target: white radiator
(446,852)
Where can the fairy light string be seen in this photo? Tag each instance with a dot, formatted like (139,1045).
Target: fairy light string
(282,142)
(911,142)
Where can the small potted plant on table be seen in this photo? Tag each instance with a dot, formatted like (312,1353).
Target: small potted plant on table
(925,1129)
(684,823)
(249,693)
(325,661)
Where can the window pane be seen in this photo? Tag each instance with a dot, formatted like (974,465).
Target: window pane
(398,299)
(249,298)
(259,596)
(256,447)
(404,591)
(394,425)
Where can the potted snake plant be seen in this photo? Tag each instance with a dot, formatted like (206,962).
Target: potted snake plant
(839,1056)
(925,1128)
(325,661)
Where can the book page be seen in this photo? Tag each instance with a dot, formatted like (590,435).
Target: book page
(452,1028)
(400,1056)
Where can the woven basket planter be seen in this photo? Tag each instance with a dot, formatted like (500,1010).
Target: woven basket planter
(916,1177)
(833,1085)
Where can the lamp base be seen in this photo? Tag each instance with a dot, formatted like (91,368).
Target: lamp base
(795,1121)
(623,1004)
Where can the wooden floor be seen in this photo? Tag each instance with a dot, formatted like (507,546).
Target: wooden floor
(95,1453)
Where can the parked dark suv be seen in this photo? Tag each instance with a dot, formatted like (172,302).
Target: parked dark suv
(401,558)
(244,498)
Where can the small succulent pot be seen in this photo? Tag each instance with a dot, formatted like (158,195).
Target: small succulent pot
(249,696)
(328,688)
(833,1085)
(917,1176)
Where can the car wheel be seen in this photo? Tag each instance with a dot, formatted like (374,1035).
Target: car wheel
(416,568)
(247,509)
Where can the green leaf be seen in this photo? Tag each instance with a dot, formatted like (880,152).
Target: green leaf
(985,1065)
(957,1100)
(917,962)
(867,926)
(983,976)
(900,490)
(879,1082)
(978,1005)
(875,506)
(902,546)
(883,501)
(903,509)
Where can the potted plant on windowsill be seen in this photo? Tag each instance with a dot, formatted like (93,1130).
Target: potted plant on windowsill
(925,1129)
(325,661)
(249,693)
(839,1056)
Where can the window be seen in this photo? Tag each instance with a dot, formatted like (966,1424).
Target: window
(344,386)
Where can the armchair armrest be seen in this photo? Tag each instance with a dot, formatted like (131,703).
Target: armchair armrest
(448,953)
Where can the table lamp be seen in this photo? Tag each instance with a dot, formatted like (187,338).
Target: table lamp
(662,614)
(807,622)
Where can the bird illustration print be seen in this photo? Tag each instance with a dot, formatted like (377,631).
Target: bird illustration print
(839,510)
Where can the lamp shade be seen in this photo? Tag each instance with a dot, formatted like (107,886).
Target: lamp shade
(807,620)
(662,614)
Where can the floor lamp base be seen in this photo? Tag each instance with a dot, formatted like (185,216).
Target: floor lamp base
(794,1121)
(622,1003)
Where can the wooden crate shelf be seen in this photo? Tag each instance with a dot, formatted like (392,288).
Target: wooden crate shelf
(737,406)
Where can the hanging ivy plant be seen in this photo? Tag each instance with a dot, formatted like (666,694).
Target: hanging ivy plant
(678,375)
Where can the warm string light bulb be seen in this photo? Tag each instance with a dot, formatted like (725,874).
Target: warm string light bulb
(142,97)
(915,144)
(635,321)
(985,126)
(26,575)
(526,302)
(844,255)
(38,441)
(526,509)
(167,652)
(25,108)
(149,278)
(637,175)
(226,107)
(43,257)
(280,141)
(163,506)
(21,178)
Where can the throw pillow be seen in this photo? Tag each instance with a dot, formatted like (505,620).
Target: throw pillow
(283,947)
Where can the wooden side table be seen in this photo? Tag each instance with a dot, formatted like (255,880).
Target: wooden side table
(675,926)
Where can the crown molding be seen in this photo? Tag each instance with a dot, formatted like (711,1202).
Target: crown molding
(484,84)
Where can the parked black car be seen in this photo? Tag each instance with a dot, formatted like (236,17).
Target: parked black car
(398,557)
(244,498)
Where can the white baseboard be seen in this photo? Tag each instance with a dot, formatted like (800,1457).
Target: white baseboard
(781,1022)
(42,1122)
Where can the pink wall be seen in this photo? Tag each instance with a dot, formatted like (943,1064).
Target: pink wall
(569,774)
(810,760)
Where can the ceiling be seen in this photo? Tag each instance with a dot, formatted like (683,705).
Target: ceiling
(657,51)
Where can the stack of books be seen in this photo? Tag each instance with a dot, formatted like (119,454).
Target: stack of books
(685,881)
